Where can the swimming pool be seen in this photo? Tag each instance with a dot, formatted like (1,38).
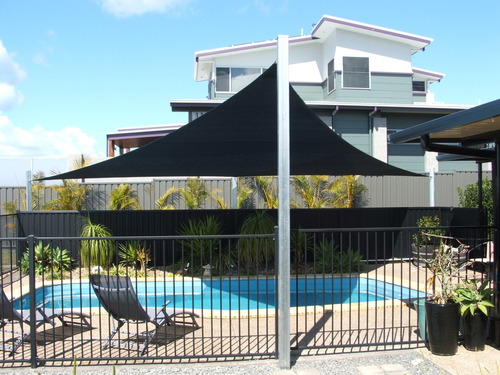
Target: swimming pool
(234,294)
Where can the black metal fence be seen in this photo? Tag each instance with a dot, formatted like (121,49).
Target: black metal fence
(352,289)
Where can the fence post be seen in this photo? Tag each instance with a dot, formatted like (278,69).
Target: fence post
(32,286)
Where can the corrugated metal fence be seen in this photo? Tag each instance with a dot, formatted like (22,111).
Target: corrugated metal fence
(383,191)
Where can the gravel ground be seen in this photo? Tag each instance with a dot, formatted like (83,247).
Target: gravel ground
(409,362)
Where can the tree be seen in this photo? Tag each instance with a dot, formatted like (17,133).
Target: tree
(314,190)
(266,189)
(348,193)
(469,197)
(72,196)
(195,194)
(124,198)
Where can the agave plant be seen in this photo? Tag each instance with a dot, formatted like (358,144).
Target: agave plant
(47,260)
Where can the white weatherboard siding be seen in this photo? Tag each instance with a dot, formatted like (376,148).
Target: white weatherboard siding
(384,56)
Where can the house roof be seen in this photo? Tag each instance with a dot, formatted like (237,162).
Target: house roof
(480,124)
(323,29)
(328,24)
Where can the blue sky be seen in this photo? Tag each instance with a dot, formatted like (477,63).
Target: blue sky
(73,70)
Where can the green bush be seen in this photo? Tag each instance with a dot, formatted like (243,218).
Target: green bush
(200,251)
(469,197)
(134,253)
(255,251)
(328,259)
(427,236)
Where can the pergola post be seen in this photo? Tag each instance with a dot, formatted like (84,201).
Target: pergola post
(283,205)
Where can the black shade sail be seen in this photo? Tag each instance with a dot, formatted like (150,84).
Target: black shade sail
(239,138)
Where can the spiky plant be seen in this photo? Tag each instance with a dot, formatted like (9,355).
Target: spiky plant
(96,251)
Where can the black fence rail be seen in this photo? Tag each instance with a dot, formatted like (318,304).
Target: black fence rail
(118,302)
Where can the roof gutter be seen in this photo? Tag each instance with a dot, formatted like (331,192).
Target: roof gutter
(456,150)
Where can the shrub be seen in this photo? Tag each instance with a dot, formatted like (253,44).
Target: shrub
(134,253)
(201,249)
(254,251)
(427,236)
(328,259)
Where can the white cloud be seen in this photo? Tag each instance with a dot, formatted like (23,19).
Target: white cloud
(10,74)
(10,71)
(16,141)
(9,97)
(128,8)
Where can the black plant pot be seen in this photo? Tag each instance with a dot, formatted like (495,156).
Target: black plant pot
(475,331)
(495,331)
(442,327)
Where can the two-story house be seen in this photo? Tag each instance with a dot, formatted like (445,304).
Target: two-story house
(358,78)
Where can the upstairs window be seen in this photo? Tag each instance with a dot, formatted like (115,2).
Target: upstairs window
(235,79)
(418,86)
(331,76)
(222,79)
(356,72)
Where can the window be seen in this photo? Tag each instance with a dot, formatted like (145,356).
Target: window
(235,79)
(356,72)
(222,79)
(418,86)
(331,76)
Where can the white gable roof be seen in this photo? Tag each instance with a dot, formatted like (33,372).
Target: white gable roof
(326,28)
(328,25)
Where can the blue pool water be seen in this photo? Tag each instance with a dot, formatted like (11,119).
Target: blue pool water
(230,294)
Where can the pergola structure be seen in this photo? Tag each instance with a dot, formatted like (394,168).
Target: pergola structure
(471,134)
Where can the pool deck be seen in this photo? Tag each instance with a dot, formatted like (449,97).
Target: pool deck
(315,332)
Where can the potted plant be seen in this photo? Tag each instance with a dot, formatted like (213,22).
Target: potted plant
(441,311)
(426,240)
(474,302)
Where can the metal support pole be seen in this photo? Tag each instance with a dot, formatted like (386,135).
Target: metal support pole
(283,204)
(32,333)
(234,192)
(432,188)
(28,191)
(496,221)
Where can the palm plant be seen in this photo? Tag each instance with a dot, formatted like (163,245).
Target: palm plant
(195,193)
(124,198)
(245,191)
(95,251)
(265,187)
(314,190)
(165,202)
(72,196)
(348,193)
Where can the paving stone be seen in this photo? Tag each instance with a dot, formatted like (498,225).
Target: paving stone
(394,369)
(370,370)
